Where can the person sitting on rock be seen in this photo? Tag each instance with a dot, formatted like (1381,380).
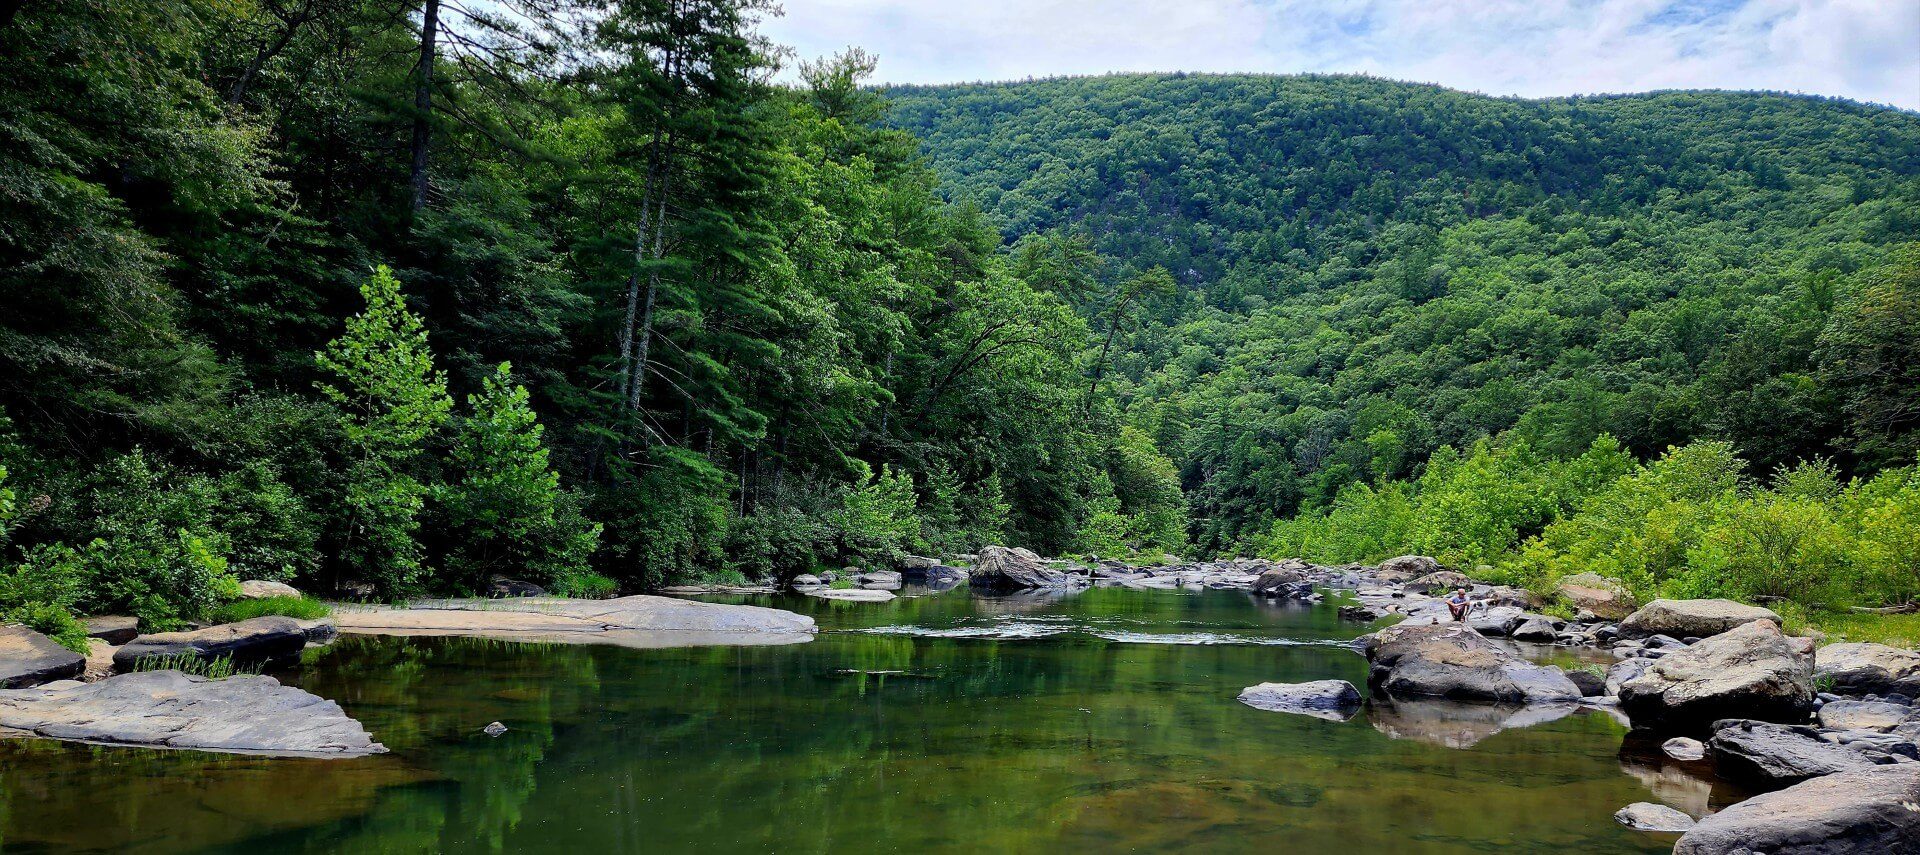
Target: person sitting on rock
(1457,604)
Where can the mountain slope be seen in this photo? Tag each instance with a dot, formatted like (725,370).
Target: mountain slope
(1372,270)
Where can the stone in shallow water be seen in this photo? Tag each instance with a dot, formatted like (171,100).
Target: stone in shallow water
(28,658)
(1453,661)
(1647,816)
(1683,748)
(1777,755)
(852,595)
(168,709)
(1869,812)
(637,621)
(1749,671)
(1333,700)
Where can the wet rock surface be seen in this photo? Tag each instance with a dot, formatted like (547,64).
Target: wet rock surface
(637,621)
(1647,816)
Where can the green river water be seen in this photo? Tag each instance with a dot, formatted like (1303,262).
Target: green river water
(1101,722)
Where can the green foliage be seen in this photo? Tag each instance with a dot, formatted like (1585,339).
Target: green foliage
(217,668)
(394,400)
(301,608)
(877,521)
(504,512)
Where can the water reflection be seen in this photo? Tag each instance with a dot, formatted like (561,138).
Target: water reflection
(861,741)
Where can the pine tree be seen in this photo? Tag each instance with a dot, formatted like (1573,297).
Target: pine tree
(392,400)
(504,508)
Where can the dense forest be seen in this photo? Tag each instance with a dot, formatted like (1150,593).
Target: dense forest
(396,297)
(1374,317)
(388,297)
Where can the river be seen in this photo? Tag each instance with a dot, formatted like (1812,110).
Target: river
(1100,722)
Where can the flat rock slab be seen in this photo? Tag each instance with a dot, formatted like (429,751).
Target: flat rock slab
(1692,618)
(168,709)
(638,621)
(113,629)
(1869,812)
(258,639)
(28,658)
(852,595)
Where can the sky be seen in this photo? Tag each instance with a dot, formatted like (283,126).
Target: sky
(1867,50)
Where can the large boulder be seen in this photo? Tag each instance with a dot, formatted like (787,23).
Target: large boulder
(261,589)
(260,639)
(112,629)
(28,658)
(1868,668)
(1453,661)
(1868,812)
(1598,594)
(1439,580)
(1539,628)
(1691,618)
(1003,569)
(1283,582)
(1406,568)
(1778,755)
(1334,700)
(168,709)
(1750,671)
(1495,620)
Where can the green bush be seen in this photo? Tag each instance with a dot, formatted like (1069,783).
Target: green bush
(302,608)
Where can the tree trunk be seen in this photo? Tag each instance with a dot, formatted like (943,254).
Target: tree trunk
(423,99)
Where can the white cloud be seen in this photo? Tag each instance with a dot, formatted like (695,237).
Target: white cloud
(1863,49)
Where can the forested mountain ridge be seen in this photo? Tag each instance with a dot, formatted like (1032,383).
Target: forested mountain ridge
(1371,270)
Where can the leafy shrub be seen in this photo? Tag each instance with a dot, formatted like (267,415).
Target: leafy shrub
(584,585)
(877,520)
(302,608)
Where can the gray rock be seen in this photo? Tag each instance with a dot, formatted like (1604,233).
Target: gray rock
(1747,672)
(28,658)
(319,630)
(1439,580)
(1280,582)
(1861,668)
(168,709)
(261,639)
(1406,568)
(1535,628)
(852,595)
(806,580)
(1864,715)
(1684,748)
(1361,614)
(1589,683)
(879,578)
(1647,816)
(1700,618)
(1453,661)
(494,729)
(1003,569)
(1778,755)
(1333,700)
(260,589)
(502,586)
(112,629)
(1495,621)
(638,621)
(1597,594)
(1867,812)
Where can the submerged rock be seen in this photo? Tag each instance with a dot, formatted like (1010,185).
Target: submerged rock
(1647,816)
(1863,668)
(494,729)
(1777,755)
(638,621)
(1749,671)
(261,639)
(1457,724)
(168,709)
(1868,812)
(1334,700)
(1003,569)
(1692,618)
(1453,661)
(28,658)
